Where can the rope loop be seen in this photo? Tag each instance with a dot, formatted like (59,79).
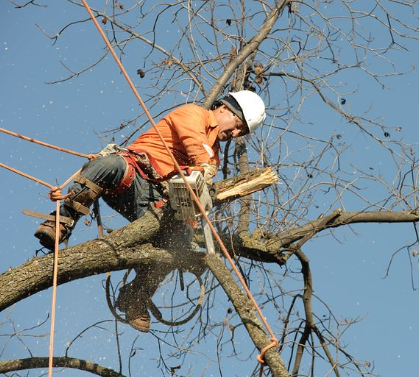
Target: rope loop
(151,306)
(92,156)
(260,357)
(157,314)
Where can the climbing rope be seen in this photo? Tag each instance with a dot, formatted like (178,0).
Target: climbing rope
(274,341)
(89,156)
(55,195)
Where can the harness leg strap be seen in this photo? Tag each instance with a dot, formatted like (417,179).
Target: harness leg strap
(82,201)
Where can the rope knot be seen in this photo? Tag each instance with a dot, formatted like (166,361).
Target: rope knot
(55,194)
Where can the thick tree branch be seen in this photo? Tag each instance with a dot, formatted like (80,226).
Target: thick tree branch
(123,248)
(130,245)
(270,250)
(58,362)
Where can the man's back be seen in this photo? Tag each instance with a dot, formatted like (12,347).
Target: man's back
(189,131)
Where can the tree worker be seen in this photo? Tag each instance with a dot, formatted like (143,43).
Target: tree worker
(131,179)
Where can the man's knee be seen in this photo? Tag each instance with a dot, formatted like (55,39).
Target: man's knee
(105,171)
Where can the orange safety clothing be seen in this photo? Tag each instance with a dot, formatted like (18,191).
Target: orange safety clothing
(190,132)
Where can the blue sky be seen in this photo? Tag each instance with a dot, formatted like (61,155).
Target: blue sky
(348,275)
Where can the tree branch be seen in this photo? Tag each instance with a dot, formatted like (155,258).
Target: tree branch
(245,52)
(123,248)
(316,226)
(58,362)
(246,311)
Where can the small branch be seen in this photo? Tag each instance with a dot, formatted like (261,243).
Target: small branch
(151,43)
(310,325)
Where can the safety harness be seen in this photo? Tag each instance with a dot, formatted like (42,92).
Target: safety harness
(138,162)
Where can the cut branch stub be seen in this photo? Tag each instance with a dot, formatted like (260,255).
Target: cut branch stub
(245,184)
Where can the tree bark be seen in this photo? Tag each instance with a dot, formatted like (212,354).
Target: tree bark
(246,311)
(123,248)
(58,362)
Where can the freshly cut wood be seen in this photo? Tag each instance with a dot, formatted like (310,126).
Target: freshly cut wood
(245,184)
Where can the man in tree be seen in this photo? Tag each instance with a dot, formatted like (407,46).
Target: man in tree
(130,180)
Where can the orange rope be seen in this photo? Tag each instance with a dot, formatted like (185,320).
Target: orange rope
(179,170)
(89,156)
(27,176)
(55,195)
(54,286)
(70,179)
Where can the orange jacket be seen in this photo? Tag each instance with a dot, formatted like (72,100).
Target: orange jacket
(190,132)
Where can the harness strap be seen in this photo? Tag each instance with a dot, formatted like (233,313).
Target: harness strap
(141,163)
(146,165)
(97,190)
(68,221)
(85,196)
(80,208)
(149,166)
(127,179)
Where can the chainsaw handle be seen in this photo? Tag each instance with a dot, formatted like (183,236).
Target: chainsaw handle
(189,169)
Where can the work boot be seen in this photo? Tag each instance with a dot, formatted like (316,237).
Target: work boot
(74,207)
(138,317)
(46,234)
(134,304)
(134,297)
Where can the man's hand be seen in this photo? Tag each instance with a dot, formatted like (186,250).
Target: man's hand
(210,171)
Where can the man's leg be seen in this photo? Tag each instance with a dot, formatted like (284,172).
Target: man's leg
(133,298)
(97,175)
(136,200)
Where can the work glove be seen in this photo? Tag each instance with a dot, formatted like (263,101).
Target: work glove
(210,171)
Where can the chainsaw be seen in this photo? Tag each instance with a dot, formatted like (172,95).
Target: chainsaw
(184,205)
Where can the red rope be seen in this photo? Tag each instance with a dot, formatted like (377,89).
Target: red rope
(274,341)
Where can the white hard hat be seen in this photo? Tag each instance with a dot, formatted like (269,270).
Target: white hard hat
(251,107)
